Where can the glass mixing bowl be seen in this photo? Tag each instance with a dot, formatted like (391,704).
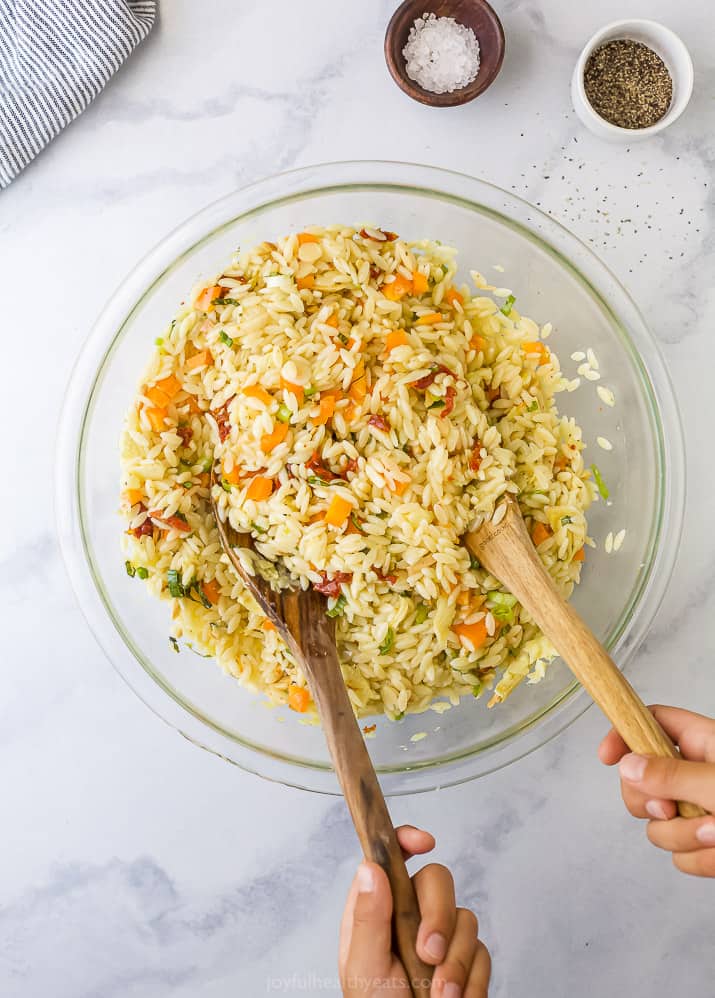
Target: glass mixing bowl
(557,279)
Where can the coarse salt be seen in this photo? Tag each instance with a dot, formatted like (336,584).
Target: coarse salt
(441,55)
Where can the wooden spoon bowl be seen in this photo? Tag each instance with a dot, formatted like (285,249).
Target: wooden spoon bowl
(474,14)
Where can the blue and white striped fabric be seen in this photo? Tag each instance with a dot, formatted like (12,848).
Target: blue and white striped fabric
(55,57)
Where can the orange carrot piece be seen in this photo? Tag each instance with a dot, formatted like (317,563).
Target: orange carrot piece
(260,488)
(349,412)
(396,338)
(476,634)
(478,342)
(305,283)
(212,591)
(307,237)
(194,406)
(156,397)
(156,417)
(256,392)
(540,533)
(268,625)
(358,387)
(451,295)
(537,348)
(338,511)
(332,321)
(200,359)
(298,699)
(327,408)
(430,319)
(171,386)
(580,555)
(233,477)
(400,487)
(133,496)
(207,296)
(397,289)
(296,390)
(419,282)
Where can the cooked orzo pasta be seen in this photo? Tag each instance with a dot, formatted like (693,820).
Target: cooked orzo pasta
(365,411)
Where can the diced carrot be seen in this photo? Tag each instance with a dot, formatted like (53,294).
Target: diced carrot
(397,289)
(268,625)
(537,348)
(349,412)
(194,406)
(207,296)
(464,597)
(429,319)
(133,496)
(212,591)
(233,477)
(275,437)
(298,698)
(399,487)
(419,282)
(478,342)
(200,359)
(156,417)
(332,321)
(296,390)
(327,408)
(540,533)
(260,488)
(560,462)
(256,392)
(204,479)
(451,295)
(171,386)
(396,338)
(338,511)
(476,634)
(358,386)
(305,283)
(580,555)
(307,237)
(156,397)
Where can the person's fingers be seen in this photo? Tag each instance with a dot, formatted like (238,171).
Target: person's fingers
(414,841)
(369,947)
(478,981)
(694,733)
(682,834)
(698,864)
(670,779)
(452,974)
(612,748)
(434,887)
(642,805)
(346,924)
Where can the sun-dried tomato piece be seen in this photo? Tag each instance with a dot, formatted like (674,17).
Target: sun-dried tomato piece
(422,383)
(186,433)
(223,420)
(449,396)
(379,423)
(476,459)
(331,587)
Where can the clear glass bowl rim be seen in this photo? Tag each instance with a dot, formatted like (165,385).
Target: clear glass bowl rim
(299,184)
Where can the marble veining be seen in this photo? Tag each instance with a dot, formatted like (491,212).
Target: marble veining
(136,866)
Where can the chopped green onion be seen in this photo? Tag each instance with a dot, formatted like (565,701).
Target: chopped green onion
(508,304)
(476,690)
(356,523)
(159,340)
(225,338)
(284,413)
(533,406)
(389,641)
(314,480)
(338,607)
(174,644)
(501,605)
(310,392)
(566,519)
(421,613)
(437,404)
(225,301)
(207,465)
(186,485)
(131,570)
(226,486)
(398,717)
(174,584)
(142,572)
(258,528)
(598,478)
(343,338)
(474,563)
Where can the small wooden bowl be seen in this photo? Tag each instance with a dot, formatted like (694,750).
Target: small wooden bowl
(474,14)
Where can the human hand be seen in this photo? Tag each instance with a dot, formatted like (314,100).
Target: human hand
(447,937)
(651,786)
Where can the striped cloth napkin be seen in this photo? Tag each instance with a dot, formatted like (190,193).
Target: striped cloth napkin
(55,57)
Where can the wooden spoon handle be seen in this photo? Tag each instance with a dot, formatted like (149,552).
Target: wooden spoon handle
(368,809)
(508,553)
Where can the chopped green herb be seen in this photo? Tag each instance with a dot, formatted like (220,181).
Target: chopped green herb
(225,338)
(142,573)
(225,301)
(421,613)
(474,563)
(437,404)
(343,338)
(187,485)
(398,717)
(207,465)
(283,413)
(598,478)
(389,641)
(174,645)
(226,486)
(258,528)
(508,305)
(131,570)
(566,519)
(476,690)
(205,601)
(314,480)
(533,406)
(356,523)
(338,608)
(174,583)
(310,392)
(159,340)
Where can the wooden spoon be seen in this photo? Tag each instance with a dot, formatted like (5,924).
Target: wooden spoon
(299,617)
(505,549)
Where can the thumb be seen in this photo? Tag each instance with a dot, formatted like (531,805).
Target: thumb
(370,944)
(672,779)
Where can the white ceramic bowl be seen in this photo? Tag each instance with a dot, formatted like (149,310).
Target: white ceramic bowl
(673,53)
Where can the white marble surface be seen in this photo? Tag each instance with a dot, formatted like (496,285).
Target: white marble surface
(136,866)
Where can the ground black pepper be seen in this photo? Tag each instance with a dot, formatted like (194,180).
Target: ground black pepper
(628,84)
